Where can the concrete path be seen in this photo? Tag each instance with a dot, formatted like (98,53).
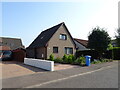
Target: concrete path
(59,66)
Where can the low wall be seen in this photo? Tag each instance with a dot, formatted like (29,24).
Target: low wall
(43,64)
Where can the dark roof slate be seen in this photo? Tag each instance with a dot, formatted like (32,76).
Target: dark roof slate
(44,37)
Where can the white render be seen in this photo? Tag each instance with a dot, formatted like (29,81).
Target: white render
(43,64)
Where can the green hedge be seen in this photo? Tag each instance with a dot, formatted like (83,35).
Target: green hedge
(116,54)
(101,61)
(113,54)
(109,54)
(94,54)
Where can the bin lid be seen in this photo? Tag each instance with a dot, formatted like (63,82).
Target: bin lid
(87,56)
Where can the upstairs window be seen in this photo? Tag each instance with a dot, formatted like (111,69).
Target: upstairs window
(63,37)
(55,49)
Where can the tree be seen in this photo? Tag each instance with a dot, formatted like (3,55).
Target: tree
(98,40)
(118,37)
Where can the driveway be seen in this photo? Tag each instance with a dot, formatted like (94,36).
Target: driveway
(14,69)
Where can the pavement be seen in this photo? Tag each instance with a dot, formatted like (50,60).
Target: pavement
(58,66)
(38,79)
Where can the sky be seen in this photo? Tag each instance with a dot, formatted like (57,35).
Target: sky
(26,20)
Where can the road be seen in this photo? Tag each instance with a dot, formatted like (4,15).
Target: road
(103,75)
(102,78)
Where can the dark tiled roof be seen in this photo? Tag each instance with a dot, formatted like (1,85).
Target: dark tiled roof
(81,41)
(44,37)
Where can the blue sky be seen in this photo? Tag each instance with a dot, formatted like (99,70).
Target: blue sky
(26,20)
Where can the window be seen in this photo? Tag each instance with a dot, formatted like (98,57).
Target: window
(68,50)
(55,49)
(63,37)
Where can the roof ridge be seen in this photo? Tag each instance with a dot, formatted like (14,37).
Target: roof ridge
(9,38)
(80,39)
(53,27)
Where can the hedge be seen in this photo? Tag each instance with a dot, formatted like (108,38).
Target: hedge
(109,54)
(94,54)
(113,54)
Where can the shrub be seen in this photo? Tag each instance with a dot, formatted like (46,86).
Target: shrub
(65,58)
(103,60)
(51,57)
(110,60)
(106,60)
(73,58)
(70,59)
(58,60)
(80,60)
(95,62)
(100,61)
(77,61)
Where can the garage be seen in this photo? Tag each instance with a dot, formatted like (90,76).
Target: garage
(19,54)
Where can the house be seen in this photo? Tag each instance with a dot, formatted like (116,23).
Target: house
(56,40)
(81,44)
(12,43)
(4,48)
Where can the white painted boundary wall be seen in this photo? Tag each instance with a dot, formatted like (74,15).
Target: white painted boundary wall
(43,64)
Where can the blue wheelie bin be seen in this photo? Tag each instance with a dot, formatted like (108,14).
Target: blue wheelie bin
(88,60)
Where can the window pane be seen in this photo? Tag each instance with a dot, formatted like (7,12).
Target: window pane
(55,49)
(63,37)
(68,50)
(60,36)
(65,50)
(71,51)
